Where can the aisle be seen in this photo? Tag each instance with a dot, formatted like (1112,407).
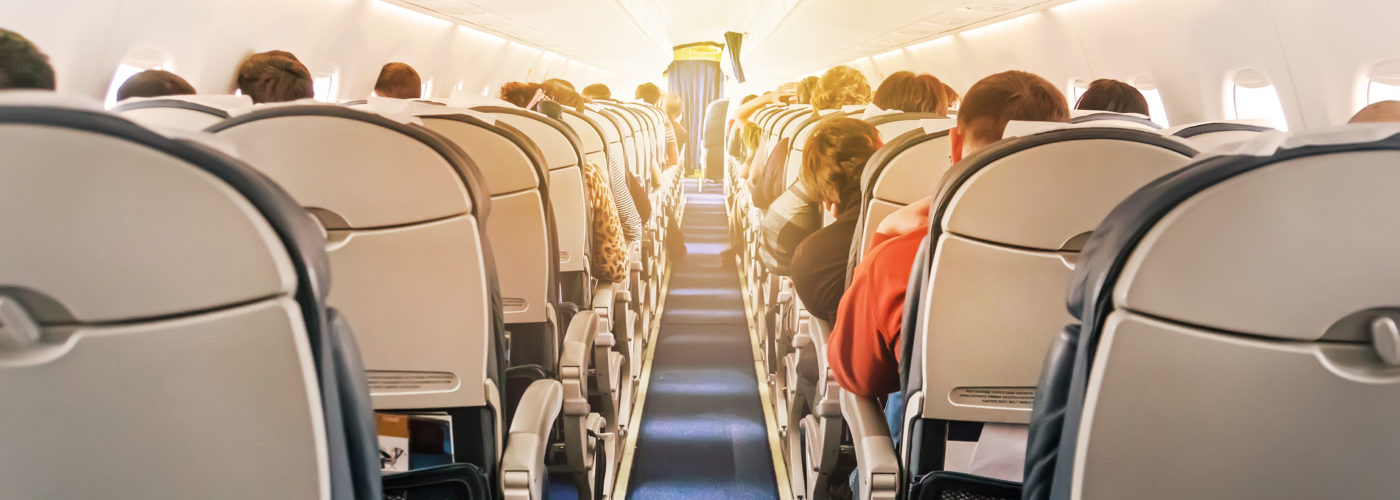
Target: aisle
(702,433)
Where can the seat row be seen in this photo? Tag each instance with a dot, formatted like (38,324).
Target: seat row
(211,286)
(1183,274)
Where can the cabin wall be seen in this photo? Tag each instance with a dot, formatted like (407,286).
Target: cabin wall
(204,41)
(1317,54)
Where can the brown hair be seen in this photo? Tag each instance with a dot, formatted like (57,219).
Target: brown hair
(805,88)
(1011,95)
(674,106)
(153,83)
(835,155)
(905,91)
(1112,95)
(519,93)
(1378,112)
(22,65)
(649,93)
(563,93)
(560,81)
(950,96)
(597,91)
(400,81)
(274,76)
(840,86)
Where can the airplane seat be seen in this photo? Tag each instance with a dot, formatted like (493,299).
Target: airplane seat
(892,125)
(905,170)
(800,133)
(185,113)
(404,213)
(1213,136)
(1111,119)
(1007,227)
(1251,295)
(205,268)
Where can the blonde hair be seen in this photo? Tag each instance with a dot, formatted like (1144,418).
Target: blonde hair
(835,156)
(841,86)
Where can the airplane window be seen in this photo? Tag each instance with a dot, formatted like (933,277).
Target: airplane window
(124,71)
(325,86)
(1155,106)
(1384,82)
(1076,89)
(1253,98)
(427,90)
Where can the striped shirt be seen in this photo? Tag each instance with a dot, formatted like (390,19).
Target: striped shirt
(626,207)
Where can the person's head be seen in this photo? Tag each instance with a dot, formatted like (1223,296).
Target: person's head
(560,82)
(835,155)
(153,83)
(649,93)
(905,91)
(597,91)
(1112,95)
(674,107)
(560,91)
(749,136)
(275,76)
(840,86)
(399,81)
(950,97)
(805,88)
(1000,98)
(22,66)
(1379,112)
(519,93)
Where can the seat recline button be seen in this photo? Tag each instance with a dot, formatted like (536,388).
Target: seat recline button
(17,329)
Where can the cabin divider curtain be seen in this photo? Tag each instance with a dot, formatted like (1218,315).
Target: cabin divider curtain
(698,83)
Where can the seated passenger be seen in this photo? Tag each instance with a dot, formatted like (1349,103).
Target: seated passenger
(804,90)
(1378,112)
(609,259)
(651,94)
(863,350)
(22,66)
(832,163)
(1112,95)
(597,91)
(790,214)
(398,81)
(951,97)
(560,82)
(275,76)
(910,93)
(153,83)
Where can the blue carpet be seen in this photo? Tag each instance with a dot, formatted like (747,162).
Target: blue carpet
(702,433)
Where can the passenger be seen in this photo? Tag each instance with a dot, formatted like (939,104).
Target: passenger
(22,66)
(951,97)
(905,91)
(609,260)
(651,94)
(275,76)
(832,163)
(675,109)
(1379,112)
(561,92)
(792,214)
(597,92)
(804,89)
(560,82)
(153,83)
(399,81)
(1112,95)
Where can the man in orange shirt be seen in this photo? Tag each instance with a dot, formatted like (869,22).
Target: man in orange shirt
(863,350)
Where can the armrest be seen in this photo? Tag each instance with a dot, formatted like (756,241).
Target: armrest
(522,466)
(602,305)
(828,402)
(573,361)
(876,462)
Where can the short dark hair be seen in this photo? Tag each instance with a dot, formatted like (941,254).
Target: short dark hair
(399,80)
(560,91)
(1112,95)
(648,92)
(835,156)
(597,91)
(153,83)
(519,93)
(22,66)
(275,76)
(906,91)
(1006,96)
(559,81)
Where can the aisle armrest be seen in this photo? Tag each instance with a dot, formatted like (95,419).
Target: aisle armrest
(602,305)
(573,362)
(876,462)
(828,402)
(523,470)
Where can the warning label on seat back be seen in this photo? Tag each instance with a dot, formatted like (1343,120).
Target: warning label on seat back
(993,397)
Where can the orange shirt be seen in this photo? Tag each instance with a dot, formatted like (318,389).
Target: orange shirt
(863,349)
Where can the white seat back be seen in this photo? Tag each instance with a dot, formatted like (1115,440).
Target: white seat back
(906,169)
(1214,136)
(185,113)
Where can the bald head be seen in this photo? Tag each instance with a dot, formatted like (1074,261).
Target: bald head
(1381,112)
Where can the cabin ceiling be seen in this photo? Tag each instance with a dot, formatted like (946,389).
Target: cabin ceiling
(784,37)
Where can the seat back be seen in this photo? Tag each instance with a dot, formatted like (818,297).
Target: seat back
(1110,119)
(1253,298)
(1215,135)
(595,144)
(404,212)
(629,130)
(187,113)
(1007,227)
(141,279)
(906,169)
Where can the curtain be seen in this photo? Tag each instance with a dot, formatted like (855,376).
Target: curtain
(698,83)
